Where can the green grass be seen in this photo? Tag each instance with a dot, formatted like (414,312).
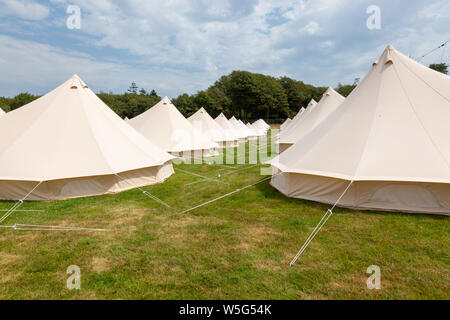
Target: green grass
(236,248)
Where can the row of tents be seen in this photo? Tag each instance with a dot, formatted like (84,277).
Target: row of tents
(69,144)
(164,125)
(385,147)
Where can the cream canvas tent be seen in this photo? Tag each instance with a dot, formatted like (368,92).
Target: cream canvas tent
(261,124)
(305,111)
(165,126)
(251,135)
(69,144)
(260,132)
(256,132)
(285,124)
(2,112)
(229,128)
(295,119)
(288,123)
(311,104)
(203,122)
(311,119)
(388,143)
(242,134)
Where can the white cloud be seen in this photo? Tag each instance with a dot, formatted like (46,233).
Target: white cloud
(326,44)
(38,68)
(183,46)
(25,9)
(311,28)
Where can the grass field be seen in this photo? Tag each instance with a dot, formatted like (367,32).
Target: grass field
(238,247)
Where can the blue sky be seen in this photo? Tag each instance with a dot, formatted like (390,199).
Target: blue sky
(177,46)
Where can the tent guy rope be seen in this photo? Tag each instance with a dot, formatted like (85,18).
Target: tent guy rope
(200,176)
(225,195)
(18,203)
(319,226)
(439,47)
(30,227)
(148,194)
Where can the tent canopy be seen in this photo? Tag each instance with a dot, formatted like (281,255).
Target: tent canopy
(262,124)
(70,133)
(245,129)
(256,132)
(203,122)
(170,130)
(285,124)
(222,121)
(311,104)
(299,115)
(392,128)
(242,133)
(313,117)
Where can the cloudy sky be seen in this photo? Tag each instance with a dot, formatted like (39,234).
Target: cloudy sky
(177,46)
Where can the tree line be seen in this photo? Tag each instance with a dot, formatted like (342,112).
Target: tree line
(242,94)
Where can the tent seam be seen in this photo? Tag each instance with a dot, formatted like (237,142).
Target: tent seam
(419,120)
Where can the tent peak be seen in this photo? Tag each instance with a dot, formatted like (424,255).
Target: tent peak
(77,83)
(311,104)
(329,91)
(166,100)
(386,57)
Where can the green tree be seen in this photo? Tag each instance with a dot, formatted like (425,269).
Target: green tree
(243,94)
(219,100)
(440,67)
(4,104)
(133,88)
(21,100)
(184,103)
(201,100)
(298,94)
(4,107)
(345,90)
(257,95)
